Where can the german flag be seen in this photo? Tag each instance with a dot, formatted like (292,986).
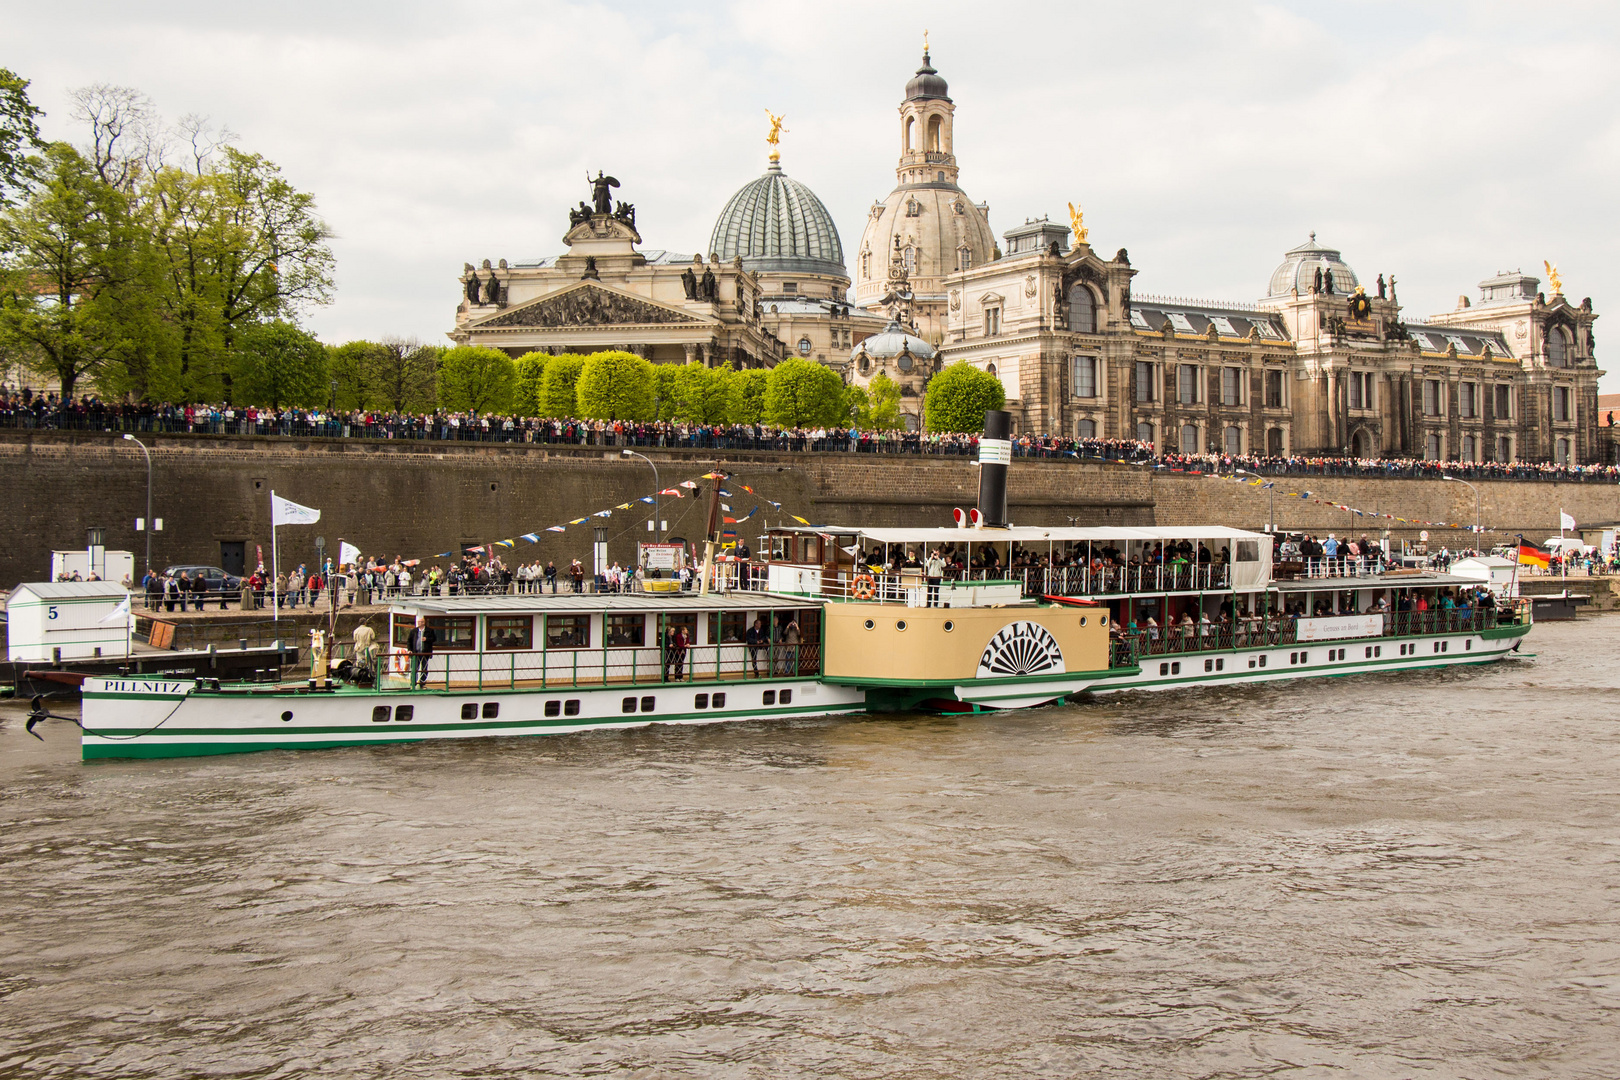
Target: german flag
(1530,555)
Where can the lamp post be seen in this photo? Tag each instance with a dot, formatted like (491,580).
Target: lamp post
(1271,512)
(148,529)
(627,452)
(1475,490)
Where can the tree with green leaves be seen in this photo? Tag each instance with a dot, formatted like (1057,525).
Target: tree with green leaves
(277,364)
(557,386)
(70,290)
(476,379)
(351,367)
(881,410)
(19,135)
(704,395)
(802,393)
(404,373)
(959,396)
(748,395)
(666,390)
(531,370)
(615,386)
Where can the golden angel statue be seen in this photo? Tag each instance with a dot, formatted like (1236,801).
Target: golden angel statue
(775,136)
(1077,222)
(1553,278)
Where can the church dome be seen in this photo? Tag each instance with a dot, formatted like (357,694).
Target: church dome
(1298,271)
(778,226)
(894,343)
(927,83)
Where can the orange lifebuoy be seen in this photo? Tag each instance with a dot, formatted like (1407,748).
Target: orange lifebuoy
(399,661)
(863,587)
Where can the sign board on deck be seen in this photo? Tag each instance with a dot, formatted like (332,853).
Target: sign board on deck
(662,556)
(1334,627)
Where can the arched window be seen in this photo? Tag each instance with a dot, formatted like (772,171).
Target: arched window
(866,264)
(911,133)
(1144,433)
(1189,439)
(911,259)
(1561,452)
(1431,447)
(1234,440)
(1082,310)
(1085,429)
(1469,450)
(1274,442)
(964,258)
(991,368)
(933,134)
(804,346)
(1557,347)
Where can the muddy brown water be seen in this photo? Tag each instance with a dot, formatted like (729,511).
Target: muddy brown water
(1380,876)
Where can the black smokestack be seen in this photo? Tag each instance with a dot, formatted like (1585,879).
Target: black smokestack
(995,453)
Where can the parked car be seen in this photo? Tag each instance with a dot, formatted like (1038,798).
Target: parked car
(218,580)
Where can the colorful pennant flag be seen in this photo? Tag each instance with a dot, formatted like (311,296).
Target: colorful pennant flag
(558,528)
(533,538)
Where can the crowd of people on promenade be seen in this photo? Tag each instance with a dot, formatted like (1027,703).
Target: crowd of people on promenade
(91,414)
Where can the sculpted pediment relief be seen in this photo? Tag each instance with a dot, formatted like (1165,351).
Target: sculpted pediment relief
(589,305)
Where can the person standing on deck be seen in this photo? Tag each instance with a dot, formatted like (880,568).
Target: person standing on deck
(935,572)
(756,638)
(420,645)
(678,642)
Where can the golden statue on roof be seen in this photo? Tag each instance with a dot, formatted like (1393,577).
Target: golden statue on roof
(1553,278)
(775,136)
(1077,222)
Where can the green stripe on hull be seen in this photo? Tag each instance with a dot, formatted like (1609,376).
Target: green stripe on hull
(180,743)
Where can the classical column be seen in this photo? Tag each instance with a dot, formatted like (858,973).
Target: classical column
(691,351)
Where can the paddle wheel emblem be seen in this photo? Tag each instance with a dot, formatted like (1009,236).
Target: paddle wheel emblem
(1021,648)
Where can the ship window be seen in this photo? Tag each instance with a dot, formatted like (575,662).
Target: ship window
(571,707)
(1175,667)
(1251,661)
(492,709)
(1220,665)
(727,627)
(784,697)
(870,624)
(553,708)
(1164,669)
(700,701)
(469,710)
(648,704)
(455,632)
(509,632)
(405,713)
(380,714)
(1469,644)
(285,717)
(769,697)
(568,631)
(627,705)
(719,701)
(1209,665)
(900,624)
(623,631)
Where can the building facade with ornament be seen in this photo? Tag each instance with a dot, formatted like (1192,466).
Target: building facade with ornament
(1323,364)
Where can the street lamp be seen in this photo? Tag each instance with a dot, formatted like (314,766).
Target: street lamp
(1475,490)
(1271,514)
(627,452)
(148,454)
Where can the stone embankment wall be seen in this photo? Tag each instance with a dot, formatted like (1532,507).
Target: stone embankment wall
(419,499)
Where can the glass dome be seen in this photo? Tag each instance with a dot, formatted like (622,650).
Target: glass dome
(1299,266)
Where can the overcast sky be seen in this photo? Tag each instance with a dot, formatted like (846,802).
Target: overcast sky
(1440,142)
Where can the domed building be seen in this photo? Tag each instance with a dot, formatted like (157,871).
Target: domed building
(780,232)
(927,221)
(903,357)
(1300,269)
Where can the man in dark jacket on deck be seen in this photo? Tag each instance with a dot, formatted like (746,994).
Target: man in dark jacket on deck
(420,644)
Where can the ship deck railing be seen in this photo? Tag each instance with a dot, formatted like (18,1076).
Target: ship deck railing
(583,668)
(1260,631)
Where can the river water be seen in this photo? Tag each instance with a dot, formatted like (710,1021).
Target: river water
(1381,876)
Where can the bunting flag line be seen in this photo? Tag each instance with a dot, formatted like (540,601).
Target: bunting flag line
(1307,496)
(533,538)
(645,499)
(557,528)
(799,519)
(688,484)
(603,513)
(622,506)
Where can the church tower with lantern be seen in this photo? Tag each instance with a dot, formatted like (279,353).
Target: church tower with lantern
(927,221)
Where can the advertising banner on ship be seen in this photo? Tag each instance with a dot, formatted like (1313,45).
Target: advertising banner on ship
(1332,628)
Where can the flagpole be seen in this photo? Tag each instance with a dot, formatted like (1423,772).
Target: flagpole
(275,563)
(1563,555)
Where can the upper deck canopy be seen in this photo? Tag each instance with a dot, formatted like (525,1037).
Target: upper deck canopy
(591,603)
(1031,534)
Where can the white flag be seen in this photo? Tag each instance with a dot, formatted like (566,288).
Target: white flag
(119,613)
(287,512)
(347,553)
(1565,522)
